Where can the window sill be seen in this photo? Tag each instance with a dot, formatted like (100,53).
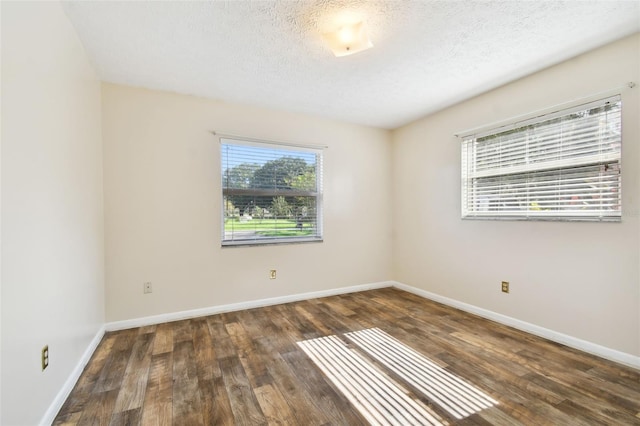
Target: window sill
(270,242)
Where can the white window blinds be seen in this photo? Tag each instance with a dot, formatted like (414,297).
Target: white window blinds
(271,193)
(563,166)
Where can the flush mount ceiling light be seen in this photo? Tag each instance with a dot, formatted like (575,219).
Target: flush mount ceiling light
(348,39)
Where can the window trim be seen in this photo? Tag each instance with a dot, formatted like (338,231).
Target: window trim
(568,164)
(318,193)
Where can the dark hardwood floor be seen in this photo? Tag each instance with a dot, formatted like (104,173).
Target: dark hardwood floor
(248,368)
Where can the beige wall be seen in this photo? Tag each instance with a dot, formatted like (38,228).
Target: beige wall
(52,212)
(163,205)
(581,279)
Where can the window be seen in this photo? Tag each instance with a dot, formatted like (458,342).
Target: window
(271,193)
(560,166)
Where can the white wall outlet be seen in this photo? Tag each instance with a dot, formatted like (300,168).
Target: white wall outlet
(147,288)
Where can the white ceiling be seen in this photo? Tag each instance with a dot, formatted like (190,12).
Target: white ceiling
(427,54)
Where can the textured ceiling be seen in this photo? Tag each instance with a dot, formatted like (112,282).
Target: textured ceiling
(427,54)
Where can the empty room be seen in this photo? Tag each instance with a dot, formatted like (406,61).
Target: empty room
(320,212)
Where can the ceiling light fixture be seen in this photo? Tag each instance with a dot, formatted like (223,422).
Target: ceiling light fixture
(348,39)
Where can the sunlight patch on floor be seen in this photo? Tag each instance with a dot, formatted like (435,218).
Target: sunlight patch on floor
(457,397)
(379,399)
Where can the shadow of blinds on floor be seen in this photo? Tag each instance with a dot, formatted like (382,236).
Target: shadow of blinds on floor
(457,397)
(379,399)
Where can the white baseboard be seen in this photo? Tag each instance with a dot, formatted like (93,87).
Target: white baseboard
(574,342)
(193,313)
(71,381)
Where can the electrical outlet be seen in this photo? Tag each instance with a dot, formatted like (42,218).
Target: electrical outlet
(147,288)
(272,274)
(505,286)
(45,357)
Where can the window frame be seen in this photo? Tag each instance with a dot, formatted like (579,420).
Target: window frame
(318,194)
(525,177)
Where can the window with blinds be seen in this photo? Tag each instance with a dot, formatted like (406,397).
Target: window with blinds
(561,166)
(271,193)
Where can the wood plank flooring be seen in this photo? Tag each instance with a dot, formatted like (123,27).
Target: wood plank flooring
(247,368)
